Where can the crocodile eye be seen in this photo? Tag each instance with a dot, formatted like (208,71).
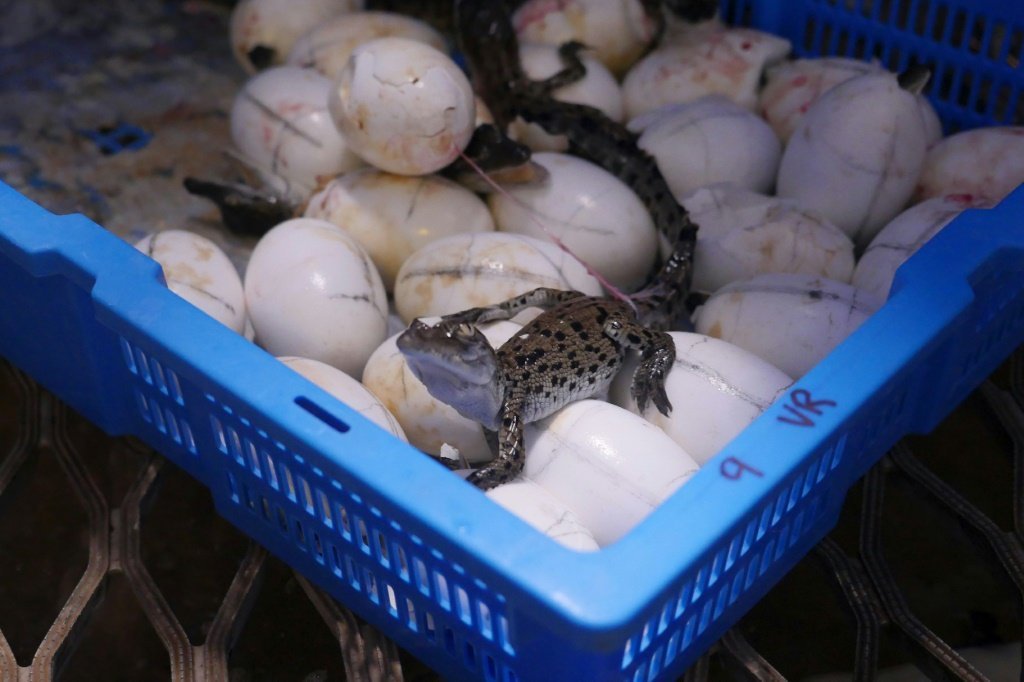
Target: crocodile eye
(465,330)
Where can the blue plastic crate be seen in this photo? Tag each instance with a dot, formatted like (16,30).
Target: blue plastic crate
(455,579)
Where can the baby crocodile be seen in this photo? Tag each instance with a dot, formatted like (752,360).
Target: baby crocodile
(571,351)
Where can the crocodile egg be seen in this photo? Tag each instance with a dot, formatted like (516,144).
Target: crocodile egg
(727,62)
(716,390)
(313,292)
(263,31)
(428,423)
(856,156)
(596,215)
(469,270)
(743,234)
(707,141)
(403,106)
(618,30)
(197,270)
(984,162)
(347,390)
(327,47)
(280,124)
(793,86)
(598,88)
(392,216)
(790,320)
(608,465)
(540,509)
(904,235)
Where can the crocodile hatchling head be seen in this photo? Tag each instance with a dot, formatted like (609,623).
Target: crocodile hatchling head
(457,365)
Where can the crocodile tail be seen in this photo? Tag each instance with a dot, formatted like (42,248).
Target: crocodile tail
(661,304)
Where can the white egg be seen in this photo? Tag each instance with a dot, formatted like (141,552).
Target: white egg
(197,270)
(313,292)
(539,508)
(618,30)
(856,156)
(608,465)
(716,390)
(793,86)
(391,216)
(790,320)
(743,234)
(280,124)
(727,62)
(328,46)
(984,162)
(403,106)
(596,215)
(470,270)
(263,31)
(428,423)
(598,88)
(902,237)
(707,141)
(347,390)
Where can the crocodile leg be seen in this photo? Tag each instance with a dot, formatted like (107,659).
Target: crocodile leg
(511,451)
(657,353)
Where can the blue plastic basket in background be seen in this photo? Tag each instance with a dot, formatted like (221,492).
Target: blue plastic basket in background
(452,577)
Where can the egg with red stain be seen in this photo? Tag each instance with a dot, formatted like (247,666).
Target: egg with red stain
(280,126)
(263,31)
(904,235)
(793,86)
(403,106)
(618,30)
(728,62)
(984,162)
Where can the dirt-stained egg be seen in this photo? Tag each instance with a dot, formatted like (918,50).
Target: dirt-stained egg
(743,234)
(618,30)
(281,126)
(403,106)
(328,46)
(596,215)
(468,270)
(392,216)
(312,291)
(347,390)
(263,31)
(197,270)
